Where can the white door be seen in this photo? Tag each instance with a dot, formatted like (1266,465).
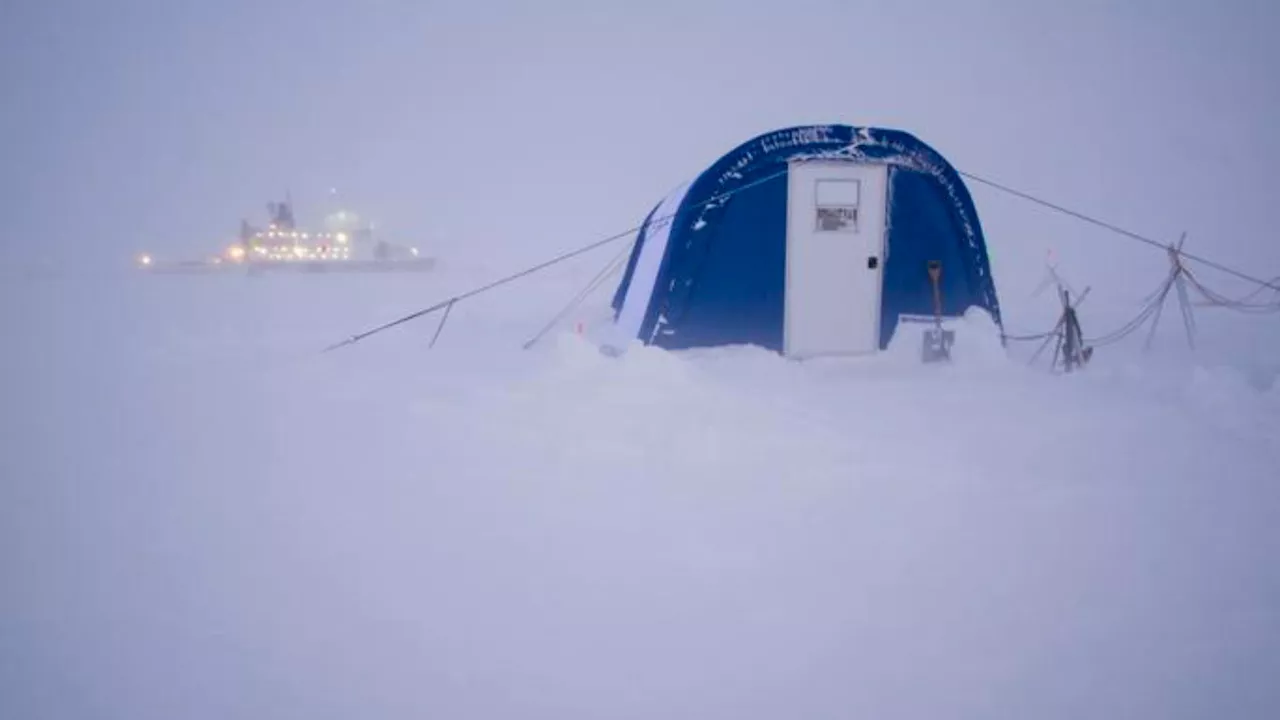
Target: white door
(835,257)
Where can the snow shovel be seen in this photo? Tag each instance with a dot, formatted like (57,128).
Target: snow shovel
(937,342)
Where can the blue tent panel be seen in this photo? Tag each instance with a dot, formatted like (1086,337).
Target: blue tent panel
(722,274)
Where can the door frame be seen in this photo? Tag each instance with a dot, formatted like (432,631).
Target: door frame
(881,249)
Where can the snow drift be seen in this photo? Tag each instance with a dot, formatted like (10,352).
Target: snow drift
(205,517)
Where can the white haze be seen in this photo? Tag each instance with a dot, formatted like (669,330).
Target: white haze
(203,516)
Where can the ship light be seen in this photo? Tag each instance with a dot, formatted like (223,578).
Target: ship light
(413,251)
(144,259)
(236,252)
(341,238)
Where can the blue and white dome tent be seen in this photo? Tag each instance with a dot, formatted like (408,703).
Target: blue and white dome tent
(808,241)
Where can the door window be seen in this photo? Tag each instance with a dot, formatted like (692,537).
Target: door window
(836,205)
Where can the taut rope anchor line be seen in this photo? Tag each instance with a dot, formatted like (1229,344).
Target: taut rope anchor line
(443,319)
(596,281)
(448,304)
(1273,284)
(472,293)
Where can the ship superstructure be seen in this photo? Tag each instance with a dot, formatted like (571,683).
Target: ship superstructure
(342,244)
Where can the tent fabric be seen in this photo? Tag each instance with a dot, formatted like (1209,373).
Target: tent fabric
(714,251)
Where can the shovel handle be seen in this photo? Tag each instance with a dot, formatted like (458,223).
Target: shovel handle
(935,275)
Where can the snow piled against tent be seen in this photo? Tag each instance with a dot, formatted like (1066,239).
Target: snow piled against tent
(209,518)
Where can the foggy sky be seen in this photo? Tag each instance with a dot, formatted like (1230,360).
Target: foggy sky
(510,130)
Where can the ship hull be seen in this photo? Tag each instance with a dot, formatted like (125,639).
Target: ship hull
(300,266)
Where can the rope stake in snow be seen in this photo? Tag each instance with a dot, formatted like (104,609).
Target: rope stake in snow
(360,336)
(1176,279)
(613,266)
(443,319)
(484,288)
(1070,348)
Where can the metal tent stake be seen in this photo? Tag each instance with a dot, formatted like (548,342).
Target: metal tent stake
(1176,281)
(1075,354)
(447,309)
(1069,347)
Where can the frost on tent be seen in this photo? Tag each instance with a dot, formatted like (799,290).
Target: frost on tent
(768,161)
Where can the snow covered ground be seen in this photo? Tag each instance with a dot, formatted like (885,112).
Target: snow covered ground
(204,517)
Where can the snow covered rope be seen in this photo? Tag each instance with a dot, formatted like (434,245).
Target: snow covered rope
(1028,337)
(1245,304)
